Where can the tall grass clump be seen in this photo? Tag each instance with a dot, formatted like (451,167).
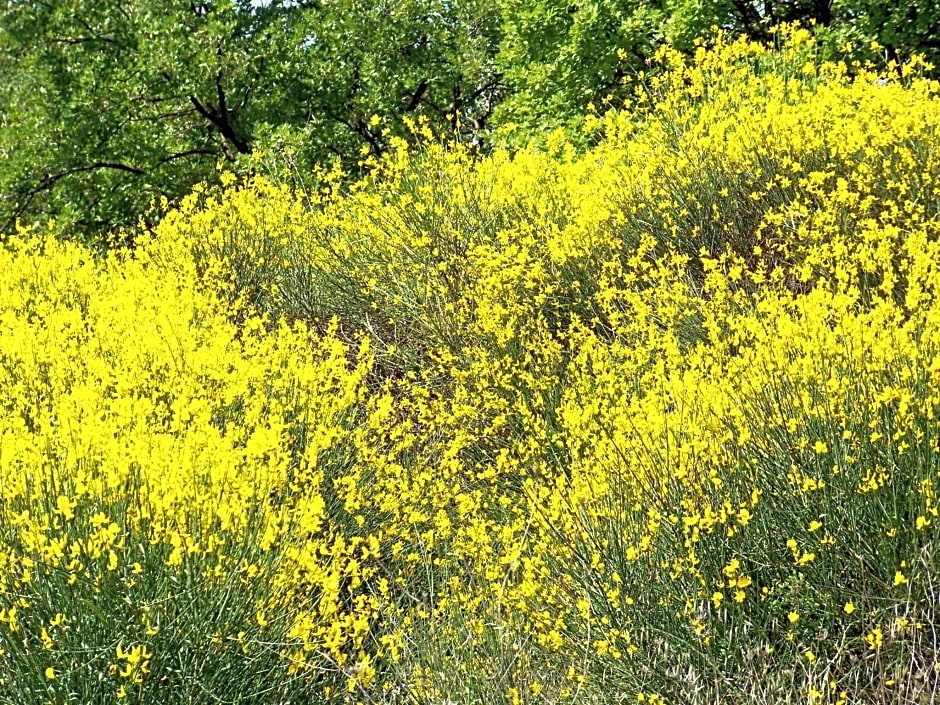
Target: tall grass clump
(652,422)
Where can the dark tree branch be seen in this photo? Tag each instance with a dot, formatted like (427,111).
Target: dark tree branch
(822,10)
(95,165)
(222,124)
(222,119)
(353,87)
(750,19)
(202,111)
(246,95)
(361,129)
(29,194)
(364,131)
(417,96)
(220,95)
(480,119)
(491,85)
(457,103)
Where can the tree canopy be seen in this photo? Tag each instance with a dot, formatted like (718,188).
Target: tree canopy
(105,106)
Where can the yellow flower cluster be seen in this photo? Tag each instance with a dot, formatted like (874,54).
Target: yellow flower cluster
(148,435)
(524,427)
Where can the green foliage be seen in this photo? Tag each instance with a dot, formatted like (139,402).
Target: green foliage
(143,616)
(903,27)
(559,56)
(105,107)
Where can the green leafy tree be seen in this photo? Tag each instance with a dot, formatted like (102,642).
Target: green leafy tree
(903,28)
(105,106)
(560,56)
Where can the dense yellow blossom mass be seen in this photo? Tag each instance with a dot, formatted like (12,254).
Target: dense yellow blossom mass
(654,418)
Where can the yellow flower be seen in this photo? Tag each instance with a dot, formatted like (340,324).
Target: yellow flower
(65,507)
(805,558)
(793,617)
(849,607)
(50,673)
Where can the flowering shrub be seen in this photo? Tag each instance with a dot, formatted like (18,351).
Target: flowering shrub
(656,422)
